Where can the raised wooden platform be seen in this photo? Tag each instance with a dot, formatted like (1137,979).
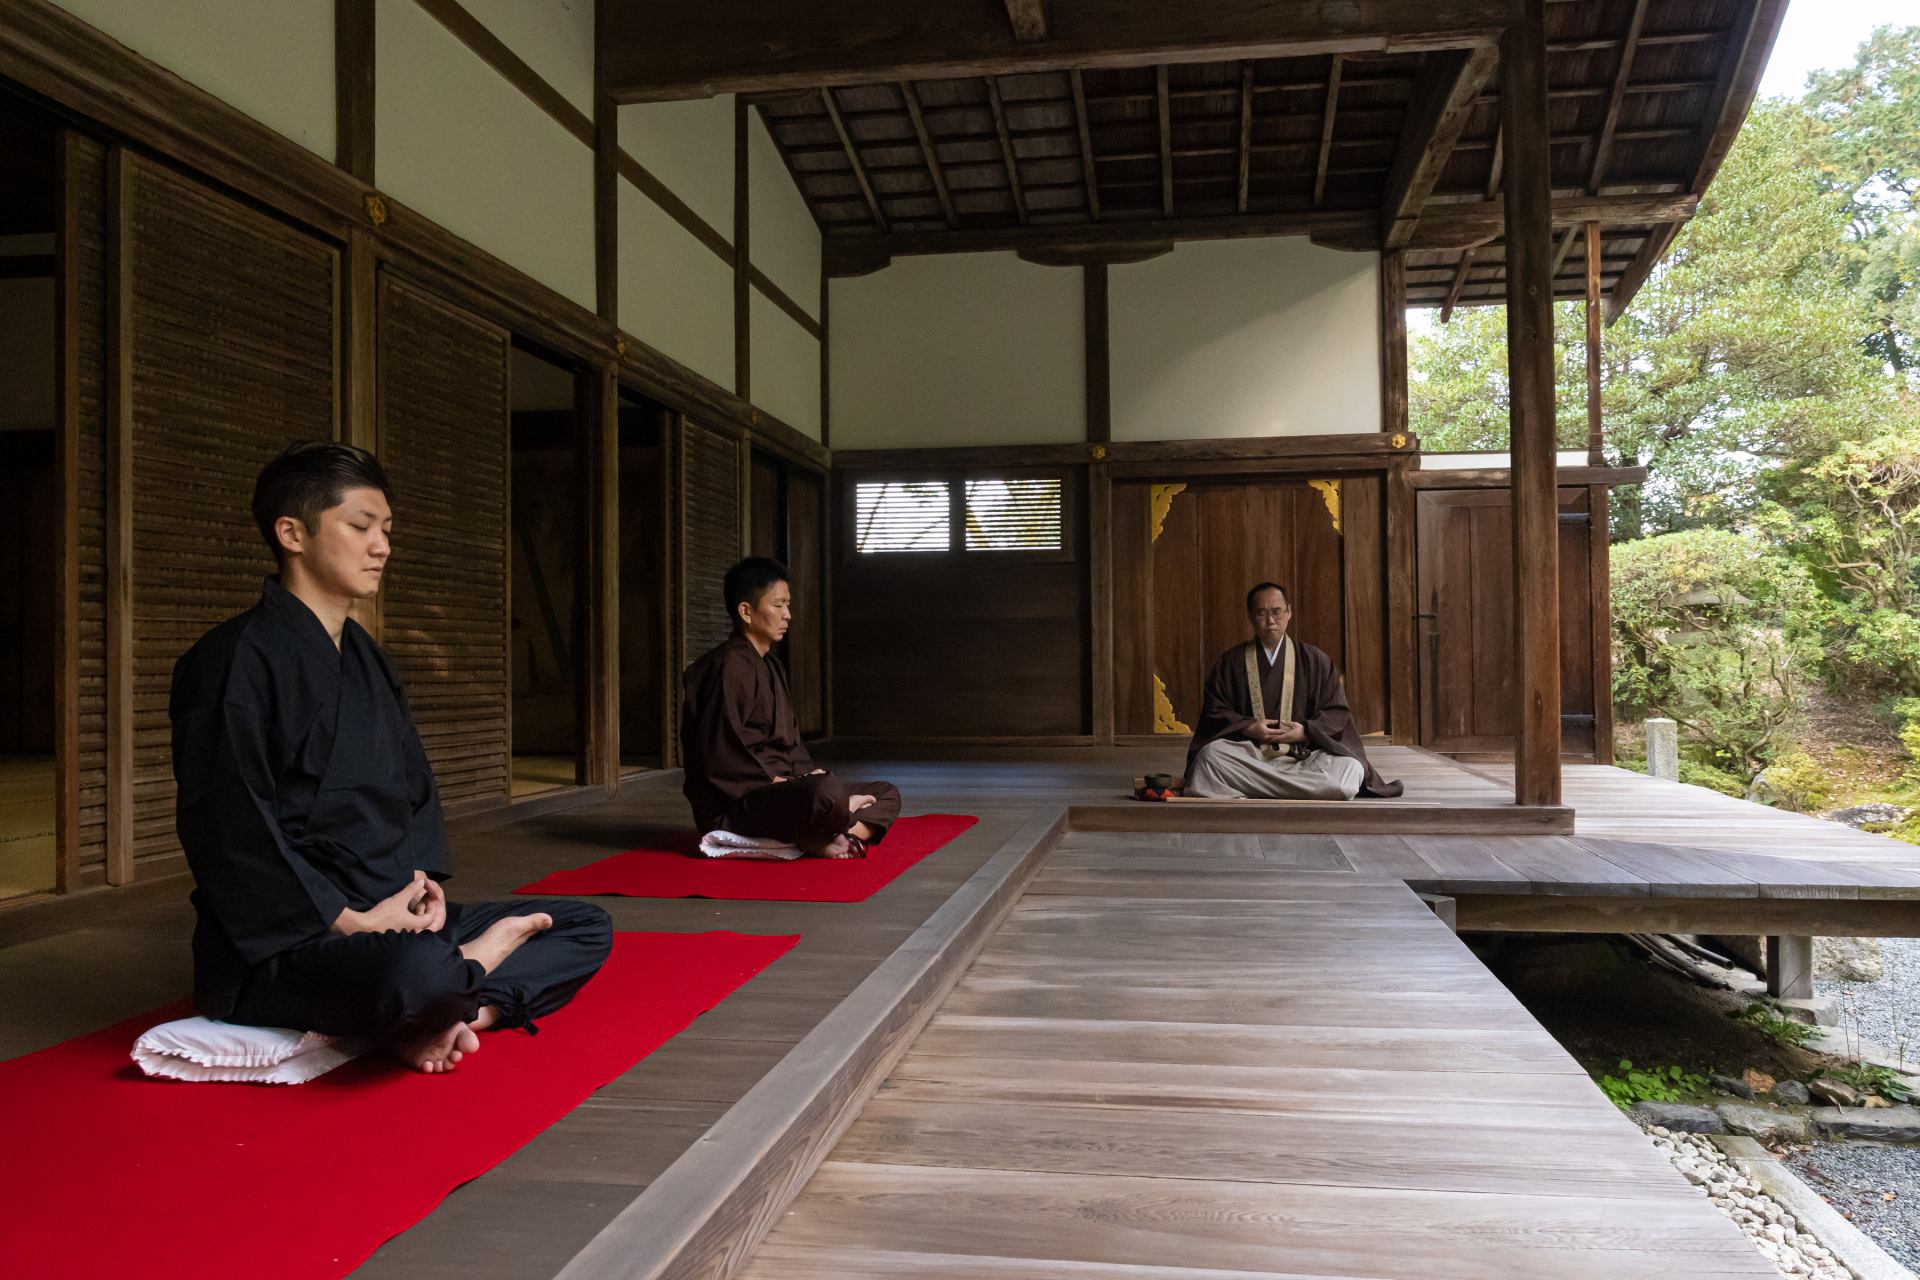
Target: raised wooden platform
(1317,817)
(1304,1074)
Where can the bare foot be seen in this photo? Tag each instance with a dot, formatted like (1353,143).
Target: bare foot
(485,1019)
(839,847)
(441,1053)
(860,831)
(504,937)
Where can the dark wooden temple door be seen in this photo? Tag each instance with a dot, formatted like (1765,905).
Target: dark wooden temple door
(1465,621)
(1184,558)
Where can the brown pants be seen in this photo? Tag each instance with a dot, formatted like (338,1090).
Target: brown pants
(812,811)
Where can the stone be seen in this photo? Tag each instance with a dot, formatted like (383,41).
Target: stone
(1757,1081)
(1866,817)
(1887,1124)
(1847,959)
(1792,1093)
(1763,1124)
(1874,1100)
(1678,1117)
(1832,1092)
(1738,1088)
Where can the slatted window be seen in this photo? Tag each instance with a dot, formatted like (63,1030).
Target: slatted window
(710,543)
(902,515)
(1014,515)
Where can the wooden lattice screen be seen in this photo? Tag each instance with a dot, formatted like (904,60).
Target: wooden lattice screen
(232,358)
(710,538)
(443,414)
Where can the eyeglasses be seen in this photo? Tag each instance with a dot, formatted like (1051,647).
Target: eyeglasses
(1274,614)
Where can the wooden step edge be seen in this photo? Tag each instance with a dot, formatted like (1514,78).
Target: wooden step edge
(1321,817)
(709,1210)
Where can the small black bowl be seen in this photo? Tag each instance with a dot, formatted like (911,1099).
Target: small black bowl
(1159,781)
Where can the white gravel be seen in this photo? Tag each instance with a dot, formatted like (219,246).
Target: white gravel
(1774,1231)
(1886,1012)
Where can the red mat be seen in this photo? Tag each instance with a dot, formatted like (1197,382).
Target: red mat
(682,873)
(108,1173)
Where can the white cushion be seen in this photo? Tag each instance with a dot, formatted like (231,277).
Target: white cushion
(202,1049)
(727,844)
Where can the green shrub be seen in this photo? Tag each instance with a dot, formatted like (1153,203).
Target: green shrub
(1713,779)
(1652,1084)
(1798,782)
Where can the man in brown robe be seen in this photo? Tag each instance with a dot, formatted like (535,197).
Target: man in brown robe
(1275,724)
(746,769)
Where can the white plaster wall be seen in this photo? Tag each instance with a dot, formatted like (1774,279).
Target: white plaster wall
(786,366)
(457,142)
(554,37)
(784,240)
(676,295)
(272,59)
(958,349)
(689,147)
(1268,337)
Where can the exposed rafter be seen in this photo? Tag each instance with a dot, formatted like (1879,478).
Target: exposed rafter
(1086,145)
(1618,95)
(1564,248)
(912,99)
(1006,149)
(1166,139)
(1459,283)
(1499,160)
(1246,133)
(853,158)
(1028,18)
(1459,225)
(1443,96)
(1326,132)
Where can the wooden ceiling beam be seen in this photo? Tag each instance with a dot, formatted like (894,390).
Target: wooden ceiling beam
(1453,226)
(1166,140)
(1499,160)
(1086,145)
(1443,96)
(1246,132)
(853,158)
(1565,247)
(767,46)
(1621,75)
(1006,149)
(1028,18)
(1326,132)
(912,99)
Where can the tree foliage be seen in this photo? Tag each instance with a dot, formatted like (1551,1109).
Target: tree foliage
(1768,378)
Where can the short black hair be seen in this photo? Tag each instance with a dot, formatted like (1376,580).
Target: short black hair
(309,477)
(752,578)
(1267,586)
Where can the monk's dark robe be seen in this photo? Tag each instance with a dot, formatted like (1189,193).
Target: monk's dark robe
(1319,704)
(738,733)
(304,791)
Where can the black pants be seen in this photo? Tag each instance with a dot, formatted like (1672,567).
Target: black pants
(812,811)
(394,986)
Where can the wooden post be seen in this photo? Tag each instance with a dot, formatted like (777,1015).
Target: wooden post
(1536,533)
(1100,598)
(742,261)
(1099,369)
(1596,438)
(1393,341)
(119,576)
(1402,723)
(606,189)
(360,387)
(1600,573)
(353,45)
(71,164)
(601,674)
(1790,967)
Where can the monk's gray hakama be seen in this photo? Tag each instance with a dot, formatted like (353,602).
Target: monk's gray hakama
(1301,684)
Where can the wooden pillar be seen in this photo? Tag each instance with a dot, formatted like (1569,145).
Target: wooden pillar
(1536,547)
(742,261)
(119,516)
(1596,434)
(606,188)
(601,677)
(353,44)
(1100,598)
(1790,967)
(1600,573)
(1099,366)
(71,164)
(359,417)
(1393,341)
(1402,698)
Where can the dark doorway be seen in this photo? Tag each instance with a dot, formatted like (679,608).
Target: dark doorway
(545,505)
(645,684)
(30,508)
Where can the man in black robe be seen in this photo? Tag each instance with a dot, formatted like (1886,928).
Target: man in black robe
(746,769)
(310,817)
(1275,723)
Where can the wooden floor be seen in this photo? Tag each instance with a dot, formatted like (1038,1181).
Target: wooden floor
(1304,1074)
(1202,1013)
